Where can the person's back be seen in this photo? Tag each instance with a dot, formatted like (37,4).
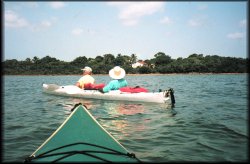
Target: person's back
(86,79)
(115,85)
(117,74)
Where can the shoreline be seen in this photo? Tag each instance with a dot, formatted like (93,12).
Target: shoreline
(150,74)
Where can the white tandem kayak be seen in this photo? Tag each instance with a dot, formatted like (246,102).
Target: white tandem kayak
(166,96)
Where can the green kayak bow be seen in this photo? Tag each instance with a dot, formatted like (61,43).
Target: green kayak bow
(81,138)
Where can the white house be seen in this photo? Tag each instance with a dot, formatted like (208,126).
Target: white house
(139,63)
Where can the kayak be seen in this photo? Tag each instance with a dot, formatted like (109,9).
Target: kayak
(166,96)
(80,138)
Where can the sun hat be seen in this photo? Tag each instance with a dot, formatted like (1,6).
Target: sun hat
(117,73)
(87,69)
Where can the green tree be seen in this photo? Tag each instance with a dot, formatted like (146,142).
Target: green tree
(99,59)
(161,63)
(108,59)
(133,58)
(48,59)
(119,60)
(144,70)
(80,61)
(162,59)
(35,59)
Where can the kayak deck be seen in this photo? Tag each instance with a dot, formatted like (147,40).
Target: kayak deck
(81,139)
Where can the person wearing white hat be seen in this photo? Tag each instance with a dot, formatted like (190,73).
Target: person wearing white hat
(86,79)
(117,74)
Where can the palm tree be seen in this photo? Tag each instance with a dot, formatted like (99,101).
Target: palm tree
(133,58)
(35,59)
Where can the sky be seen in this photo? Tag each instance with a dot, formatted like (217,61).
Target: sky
(67,30)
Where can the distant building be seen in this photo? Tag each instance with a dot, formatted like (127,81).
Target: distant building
(139,63)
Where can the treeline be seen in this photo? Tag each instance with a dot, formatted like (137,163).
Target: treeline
(161,63)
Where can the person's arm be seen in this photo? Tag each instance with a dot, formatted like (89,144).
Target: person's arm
(108,87)
(125,83)
(79,82)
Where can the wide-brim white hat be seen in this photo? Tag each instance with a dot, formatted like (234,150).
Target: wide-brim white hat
(117,73)
(87,69)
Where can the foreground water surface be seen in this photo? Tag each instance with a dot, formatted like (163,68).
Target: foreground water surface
(208,123)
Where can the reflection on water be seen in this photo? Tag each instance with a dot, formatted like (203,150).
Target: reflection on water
(121,119)
(118,118)
(127,109)
(124,119)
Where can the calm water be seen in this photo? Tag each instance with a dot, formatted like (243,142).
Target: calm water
(208,123)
